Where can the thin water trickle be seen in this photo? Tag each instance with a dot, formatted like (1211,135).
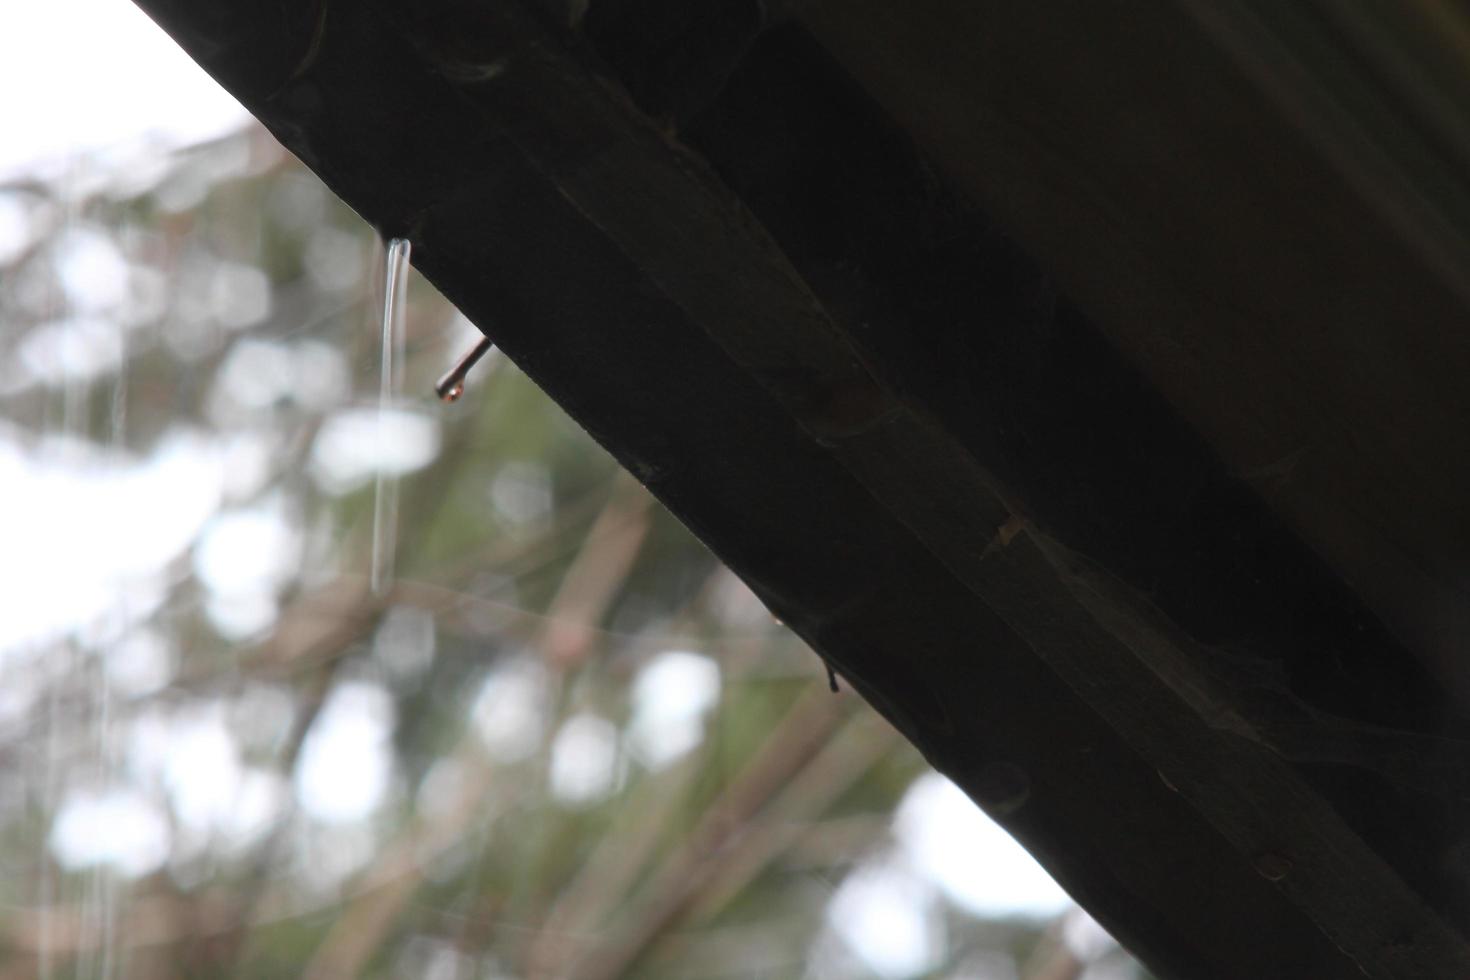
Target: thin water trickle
(103,891)
(72,427)
(385,491)
(119,413)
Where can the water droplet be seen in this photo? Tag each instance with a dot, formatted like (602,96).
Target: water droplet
(385,490)
(451,385)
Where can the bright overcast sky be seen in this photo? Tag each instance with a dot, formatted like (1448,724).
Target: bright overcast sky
(95,75)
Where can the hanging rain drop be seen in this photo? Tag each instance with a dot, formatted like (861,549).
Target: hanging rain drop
(451,385)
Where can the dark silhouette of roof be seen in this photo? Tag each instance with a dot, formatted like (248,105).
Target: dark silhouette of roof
(1084,381)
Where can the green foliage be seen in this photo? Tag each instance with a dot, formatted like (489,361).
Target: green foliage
(532,819)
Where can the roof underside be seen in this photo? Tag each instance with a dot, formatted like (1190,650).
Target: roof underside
(1083,380)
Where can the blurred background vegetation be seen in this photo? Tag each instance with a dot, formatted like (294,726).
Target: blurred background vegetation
(565,742)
